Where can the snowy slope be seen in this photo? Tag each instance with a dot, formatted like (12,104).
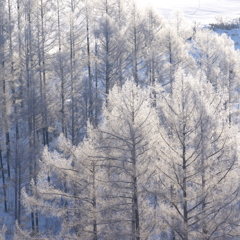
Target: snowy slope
(203,11)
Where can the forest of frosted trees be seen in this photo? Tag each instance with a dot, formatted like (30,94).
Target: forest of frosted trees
(116,124)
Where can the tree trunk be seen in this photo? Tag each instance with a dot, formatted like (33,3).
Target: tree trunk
(90,90)
(4,184)
(135,208)
(95,230)
(62,92)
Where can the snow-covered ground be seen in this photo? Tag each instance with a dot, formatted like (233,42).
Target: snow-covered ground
(203,11)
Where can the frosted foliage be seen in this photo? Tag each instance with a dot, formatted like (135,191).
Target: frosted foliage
(64,187)
(181,25)
(218,60)
(92,147)
(153,53)
(230,73)
(159,163)
(212,52)
(128,144)
(207,50)
(197,162)
(100,179)
(176,52)
(128,104)
(129,114)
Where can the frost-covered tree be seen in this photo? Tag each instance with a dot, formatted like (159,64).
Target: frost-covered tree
(229,76)
(129,173)
(107,36)
(98,189)
(44,26)
(136,44)
(182,26)
(176,53)
(217,58)
(127,138)
(207,51)
(198,160)
(65,191)
(4,102)
(153,54)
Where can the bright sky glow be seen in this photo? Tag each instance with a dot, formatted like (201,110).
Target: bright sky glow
(203,11)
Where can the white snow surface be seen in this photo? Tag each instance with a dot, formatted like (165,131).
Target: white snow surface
(203,11)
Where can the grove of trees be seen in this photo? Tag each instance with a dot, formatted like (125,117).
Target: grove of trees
(116,124)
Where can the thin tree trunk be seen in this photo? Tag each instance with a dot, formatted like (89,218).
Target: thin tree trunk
(63,117)
(4,184)
(96,85)
(90,92)
(11,78)
(95,230)
(135,207)
(16,114)
(73,69)
(4,97)
(185,201)
(42,75)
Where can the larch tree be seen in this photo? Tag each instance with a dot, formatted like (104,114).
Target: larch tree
(79,89)
(90,86)
(176,53)
(197,162)
(136,44)
(61,57)
(206,50)
(127,137)
(107,35)
(70,195)
(98,189)
(44,27)
(153,55)
(5,103)
(121,17)
(217,58)
(229,76)
(181,25)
